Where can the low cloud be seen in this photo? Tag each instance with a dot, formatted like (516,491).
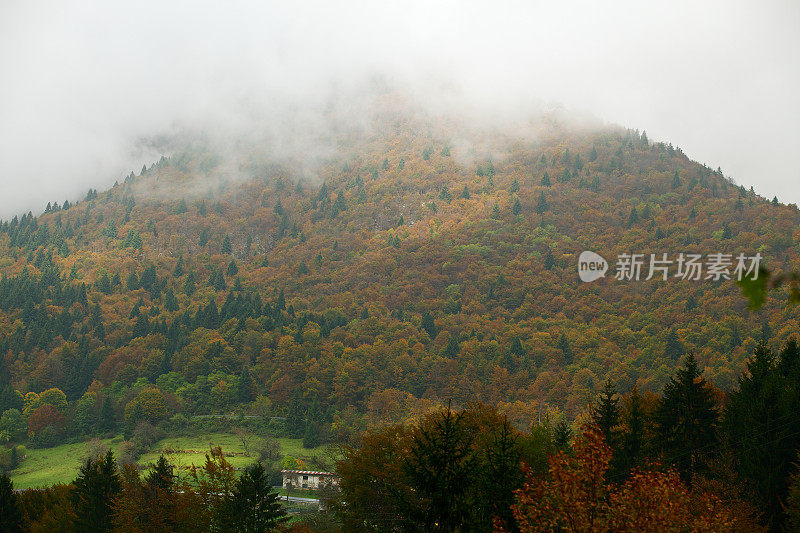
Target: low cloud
(91,91)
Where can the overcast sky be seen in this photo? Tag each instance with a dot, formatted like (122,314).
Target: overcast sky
(81,83)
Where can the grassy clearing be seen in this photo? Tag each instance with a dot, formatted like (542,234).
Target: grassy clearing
(60,464)
(43,467)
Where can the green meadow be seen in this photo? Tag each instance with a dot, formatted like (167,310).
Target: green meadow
(45,466)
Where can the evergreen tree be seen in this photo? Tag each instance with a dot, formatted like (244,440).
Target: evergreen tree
(162,476)
(545,180)
(593,154)
(442,466)
(633,438)
(633,218)
(452,348)
(673,348)
(605,413)
(495,211)
(516,348)
(516,209)
(686,420)
(94,491)
(170,301)
(549,260)
(428,325)
(676,180)
(563,345)
(762,422)
(226,245)
(465,193)
(10,516)
(502,474)
(233,269)
(562,435)
(253,506)
(541,205)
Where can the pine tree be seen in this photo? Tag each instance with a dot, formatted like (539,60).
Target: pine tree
(441,465)
(686,420)
(549,260)
(763,426)
(562,435)
(253,506)
(605,413)
(94,491)
(170,301)
(541,205)
(545,180)
(233,269)
(465,193)
(10,516)
(633,439)
(502,472)
(633,218)
(178,272)
(226,245)
(516,348)
(563,345)
(673,348)
(162,476)
(676,180)
(593,154)
(452,348)
(428,325)
(516,209)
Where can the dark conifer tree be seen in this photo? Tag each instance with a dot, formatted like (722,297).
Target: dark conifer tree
(428,325)
(562,435)
(441,466)
(93,493)
(686,420)
(762,422)
(605,413)
(563,345)
(541,205)
(10,515)
(253,506)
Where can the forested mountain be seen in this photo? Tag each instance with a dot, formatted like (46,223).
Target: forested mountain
(397,263)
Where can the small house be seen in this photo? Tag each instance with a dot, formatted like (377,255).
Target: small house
(308,479)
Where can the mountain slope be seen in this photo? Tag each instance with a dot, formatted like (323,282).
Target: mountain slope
(415,260)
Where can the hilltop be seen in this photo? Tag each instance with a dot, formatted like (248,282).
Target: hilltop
(408,260)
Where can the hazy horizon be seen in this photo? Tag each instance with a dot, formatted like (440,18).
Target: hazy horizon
(86,87)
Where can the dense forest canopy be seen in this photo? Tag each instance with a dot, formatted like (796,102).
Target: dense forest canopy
(412,264)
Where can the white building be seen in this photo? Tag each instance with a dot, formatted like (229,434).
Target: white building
(308,479)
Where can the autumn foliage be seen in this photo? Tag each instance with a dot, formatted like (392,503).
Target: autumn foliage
(577,496)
